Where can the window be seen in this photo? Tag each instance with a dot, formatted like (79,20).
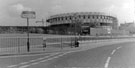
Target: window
(58,19)
(99,17)
(88,16)
(55,19)
(79,16)
(65,18)
(70,18)
(62,18)
(93,17)
(103,17)
(84,17)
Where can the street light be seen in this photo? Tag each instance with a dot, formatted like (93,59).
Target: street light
(76,21)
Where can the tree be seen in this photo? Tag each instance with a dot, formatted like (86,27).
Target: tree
(40,30)
(33,30)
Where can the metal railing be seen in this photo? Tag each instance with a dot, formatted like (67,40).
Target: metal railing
(15,45)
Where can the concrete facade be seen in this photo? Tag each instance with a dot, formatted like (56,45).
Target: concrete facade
(85,20)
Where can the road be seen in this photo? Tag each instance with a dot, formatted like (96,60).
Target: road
(16,61)
(120,55)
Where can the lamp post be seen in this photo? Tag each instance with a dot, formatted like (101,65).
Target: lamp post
(28,42)
(76,21)
(28,15)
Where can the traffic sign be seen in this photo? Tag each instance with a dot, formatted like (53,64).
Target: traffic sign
(28,14)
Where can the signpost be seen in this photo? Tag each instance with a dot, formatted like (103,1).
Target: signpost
(28,15)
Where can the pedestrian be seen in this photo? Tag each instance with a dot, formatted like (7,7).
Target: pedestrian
(44,44)
(76,43)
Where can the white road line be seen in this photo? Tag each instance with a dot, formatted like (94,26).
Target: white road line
(37,59)
(113,52)
(32,60)
(109,58)
(53,57)
(40,58)
(34,63)
(23,63)
(42,61)
(22,55)
(24,66)
(11,66)
(43,57)
(48,59)
(118,47)
(107,62)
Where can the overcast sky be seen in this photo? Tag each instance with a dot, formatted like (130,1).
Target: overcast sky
(10,10)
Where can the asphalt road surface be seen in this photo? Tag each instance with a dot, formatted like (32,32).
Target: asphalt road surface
(113,56)
(121,55)
(17,61)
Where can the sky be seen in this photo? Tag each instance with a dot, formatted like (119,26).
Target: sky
(10,10)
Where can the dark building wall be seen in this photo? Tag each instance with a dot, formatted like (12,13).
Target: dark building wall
(22,29)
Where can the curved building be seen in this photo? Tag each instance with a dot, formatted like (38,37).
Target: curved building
(81,22)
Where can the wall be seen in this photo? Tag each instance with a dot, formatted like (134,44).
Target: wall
(99,31)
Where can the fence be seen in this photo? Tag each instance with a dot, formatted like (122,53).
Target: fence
(19,44)
(10,45)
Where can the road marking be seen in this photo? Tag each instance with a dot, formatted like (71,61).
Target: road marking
(107,62)
(46,59)
(53,57)
(11,66)
(23,55)
(43,57)
(40,58)
(43,60)
(24,66)
(113,52)
(32,60)
(109,58)
(23,63)
(118,47)
(34,63)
